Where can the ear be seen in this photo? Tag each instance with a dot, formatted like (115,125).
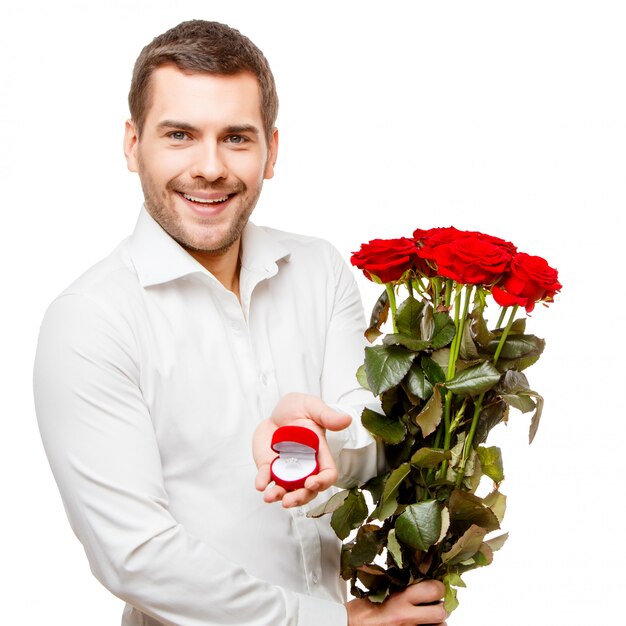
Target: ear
(272,155)
(131,141)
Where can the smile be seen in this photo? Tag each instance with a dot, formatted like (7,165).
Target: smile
(204,200)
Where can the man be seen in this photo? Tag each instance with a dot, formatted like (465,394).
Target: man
(155,369)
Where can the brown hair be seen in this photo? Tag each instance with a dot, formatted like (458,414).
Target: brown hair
(198,46)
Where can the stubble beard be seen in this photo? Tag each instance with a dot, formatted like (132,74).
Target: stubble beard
(159,206)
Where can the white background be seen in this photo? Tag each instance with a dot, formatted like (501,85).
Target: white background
(506,117)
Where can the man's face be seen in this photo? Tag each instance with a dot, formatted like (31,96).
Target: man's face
(202,156)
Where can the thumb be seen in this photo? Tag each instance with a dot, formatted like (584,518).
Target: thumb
(325,416)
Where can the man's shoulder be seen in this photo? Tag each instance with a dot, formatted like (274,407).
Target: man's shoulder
(111,279)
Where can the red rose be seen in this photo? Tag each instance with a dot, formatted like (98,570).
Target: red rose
(437,236)
(530,279)
(387,259)
(471,258)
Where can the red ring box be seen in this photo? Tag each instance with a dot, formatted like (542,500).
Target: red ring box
(297,449)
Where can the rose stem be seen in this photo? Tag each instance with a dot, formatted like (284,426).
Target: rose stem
(455,348)
(479,403)
(392,304)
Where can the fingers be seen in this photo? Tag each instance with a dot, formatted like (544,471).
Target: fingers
(288,499)
(424,592)
(433,614)
(274,493)
(424,600)
(296,406)
(324,416)
(401,608)
(311,412)
(298,498)
(263,477)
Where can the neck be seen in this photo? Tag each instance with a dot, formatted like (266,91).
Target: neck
(224,266)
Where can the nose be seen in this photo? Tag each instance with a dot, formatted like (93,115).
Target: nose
(208,162)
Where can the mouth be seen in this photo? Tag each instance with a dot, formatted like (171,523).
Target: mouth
(206,203)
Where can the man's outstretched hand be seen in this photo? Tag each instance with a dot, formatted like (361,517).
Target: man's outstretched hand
(300,410)
(417,604)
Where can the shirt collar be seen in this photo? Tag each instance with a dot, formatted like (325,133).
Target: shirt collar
(159,259)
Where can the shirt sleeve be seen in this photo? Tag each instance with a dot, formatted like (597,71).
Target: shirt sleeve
(102,448)
(357,456)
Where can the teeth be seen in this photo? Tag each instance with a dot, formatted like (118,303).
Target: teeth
(202,201)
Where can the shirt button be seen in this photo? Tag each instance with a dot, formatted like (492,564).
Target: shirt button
(315,579)
(263,379)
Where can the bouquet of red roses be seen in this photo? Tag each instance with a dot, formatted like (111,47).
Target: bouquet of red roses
(444,379)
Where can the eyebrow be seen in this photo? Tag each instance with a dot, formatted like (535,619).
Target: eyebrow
(242,128)
(174,124)
(230,130)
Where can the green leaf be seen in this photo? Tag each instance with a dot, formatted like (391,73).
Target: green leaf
(408,317)
(497,542)
(429,457)
(367,544)
(484,556)
(380,312)
(517,346)
(375,486)
(513,382)
(467,509)
(397,339)
(466,547)
(480,331)
(468,349)
(388,503)
(473,471)
(491,462)
(349,515)
(444,330)
(379,596)
(522,403)
(417,384)
(491,415)
(391,402)
(395,549)
(432,370)
(419,525)
(474,380)
(386,366)
(534,424)
(454,579)
(449,602)
(372,577)
(386,428)
(427,323)
(430,416)
(361,377)
(442,358)
(517,364)
(330,506)
(518,326)
(496,501)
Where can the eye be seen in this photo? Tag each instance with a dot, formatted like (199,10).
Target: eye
(178,135)
(236,139)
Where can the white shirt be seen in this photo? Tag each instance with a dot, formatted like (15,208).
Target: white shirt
(150,378)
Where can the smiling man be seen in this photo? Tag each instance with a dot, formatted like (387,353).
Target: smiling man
(202,174)
(199,335)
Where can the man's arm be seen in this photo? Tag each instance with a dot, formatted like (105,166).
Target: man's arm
(102,448)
